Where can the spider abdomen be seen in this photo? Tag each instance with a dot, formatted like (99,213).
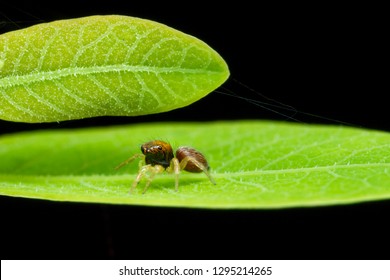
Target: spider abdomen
(183,152)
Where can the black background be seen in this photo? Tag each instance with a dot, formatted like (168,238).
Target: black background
(323,60)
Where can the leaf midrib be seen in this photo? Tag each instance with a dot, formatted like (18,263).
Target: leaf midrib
(222,174)
(312,169)
(15,80)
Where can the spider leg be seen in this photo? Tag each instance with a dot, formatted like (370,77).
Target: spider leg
(141,173)
(175,165)
(153,171)
(130,159)
(201,166)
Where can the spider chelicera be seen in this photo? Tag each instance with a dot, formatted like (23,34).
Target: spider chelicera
(157,156)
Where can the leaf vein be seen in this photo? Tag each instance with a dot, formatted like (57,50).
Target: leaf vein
(77,98)
(17,106)
(15,80)
(110,94)
(44,102)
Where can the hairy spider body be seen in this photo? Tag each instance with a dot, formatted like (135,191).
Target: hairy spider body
(158,156)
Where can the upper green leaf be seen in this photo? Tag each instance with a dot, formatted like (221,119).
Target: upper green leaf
(101,66)
(255,164)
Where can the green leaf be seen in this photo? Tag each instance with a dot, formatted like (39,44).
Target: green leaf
(102,66)
(255,164)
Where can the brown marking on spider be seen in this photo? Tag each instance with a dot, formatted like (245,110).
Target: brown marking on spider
(157,156)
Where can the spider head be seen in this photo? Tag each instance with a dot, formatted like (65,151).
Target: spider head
(157,152)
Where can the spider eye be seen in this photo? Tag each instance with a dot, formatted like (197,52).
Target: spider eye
(159,147)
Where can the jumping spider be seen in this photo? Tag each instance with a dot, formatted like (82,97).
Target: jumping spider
(157,156)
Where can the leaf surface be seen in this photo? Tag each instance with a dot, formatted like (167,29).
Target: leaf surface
(102,66)
(256,164)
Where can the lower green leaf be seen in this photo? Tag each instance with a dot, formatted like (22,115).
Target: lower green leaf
(256,164)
